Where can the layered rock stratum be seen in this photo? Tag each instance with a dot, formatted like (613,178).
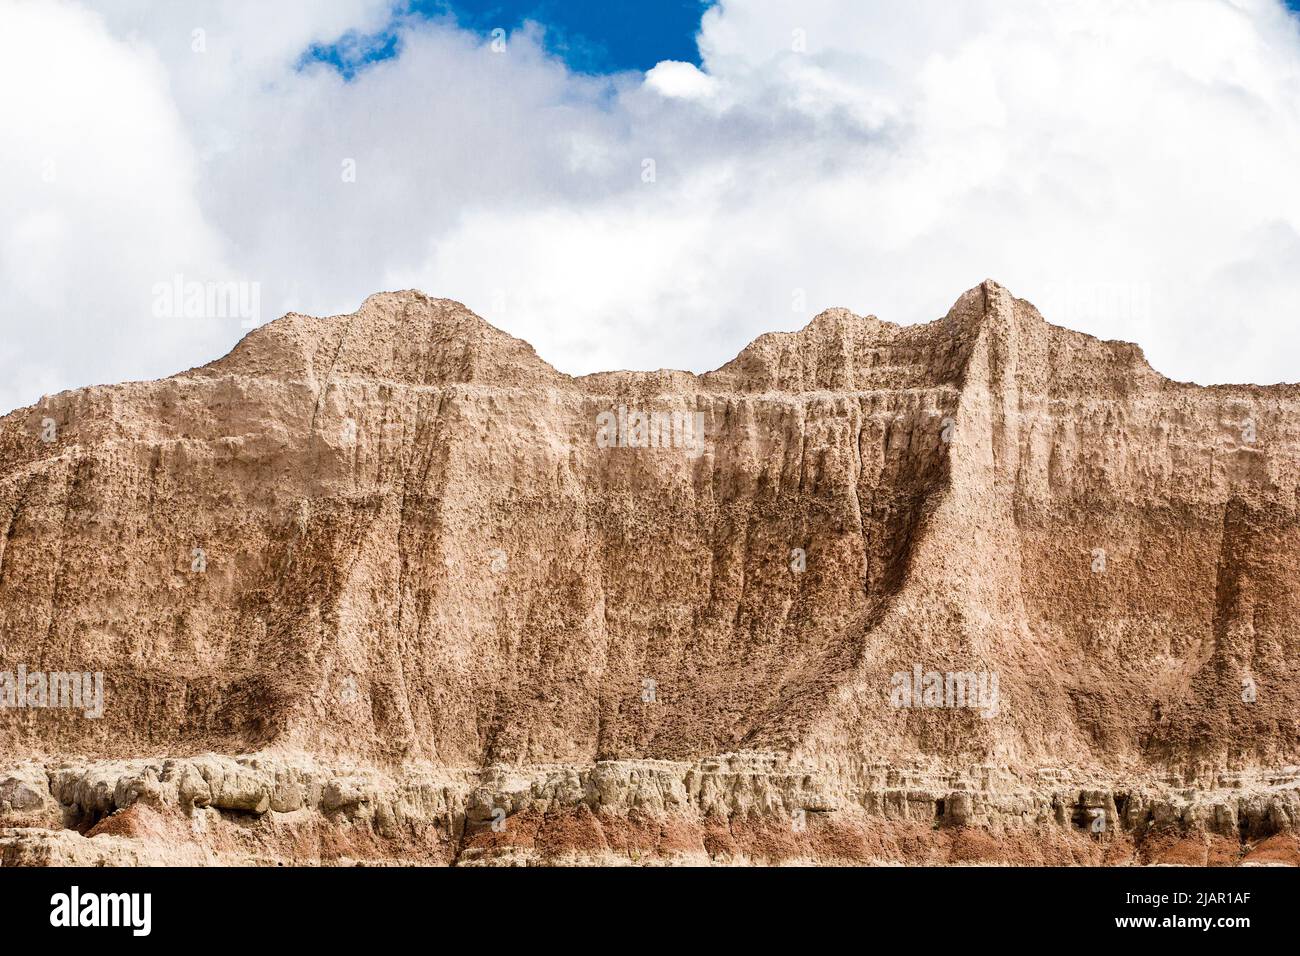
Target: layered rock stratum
(387,588)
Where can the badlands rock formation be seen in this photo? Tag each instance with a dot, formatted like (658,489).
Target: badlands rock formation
(386,587)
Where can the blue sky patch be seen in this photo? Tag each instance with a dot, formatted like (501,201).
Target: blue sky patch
(591,36)
(352,52)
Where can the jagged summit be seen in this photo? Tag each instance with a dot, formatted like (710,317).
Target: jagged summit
(412,337)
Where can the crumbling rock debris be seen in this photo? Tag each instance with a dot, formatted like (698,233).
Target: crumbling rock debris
(376,588)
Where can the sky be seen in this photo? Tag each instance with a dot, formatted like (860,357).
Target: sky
(645,185)
(590,37)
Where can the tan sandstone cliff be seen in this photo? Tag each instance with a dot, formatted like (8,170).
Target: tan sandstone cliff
(373,588)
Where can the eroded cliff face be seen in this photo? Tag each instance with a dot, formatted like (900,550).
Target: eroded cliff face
(386,572)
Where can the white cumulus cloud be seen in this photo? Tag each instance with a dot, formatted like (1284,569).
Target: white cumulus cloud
(677,79)
(1128,166)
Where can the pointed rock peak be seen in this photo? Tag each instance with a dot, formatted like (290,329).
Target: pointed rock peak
(992,288)
(981,302)
(1037,351)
